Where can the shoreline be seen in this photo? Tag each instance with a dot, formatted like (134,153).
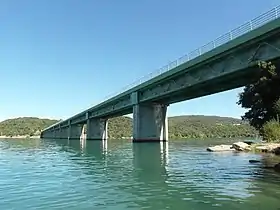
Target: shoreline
(20,137)
(247,146)
(262,148)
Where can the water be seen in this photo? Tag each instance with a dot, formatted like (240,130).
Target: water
(44,174)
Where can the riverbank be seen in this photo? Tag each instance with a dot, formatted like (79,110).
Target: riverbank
(19,137)
(264,148)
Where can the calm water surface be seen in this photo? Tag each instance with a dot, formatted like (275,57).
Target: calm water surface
(45,174)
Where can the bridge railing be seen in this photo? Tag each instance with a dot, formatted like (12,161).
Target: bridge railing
(245,28)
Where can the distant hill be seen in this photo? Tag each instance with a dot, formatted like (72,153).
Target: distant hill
(199,126)
(24,126)
(190,126)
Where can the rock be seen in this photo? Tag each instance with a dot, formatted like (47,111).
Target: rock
(276,151)
(241,146)
(248,142)
(262,148)
(277,167)
(220,148)
(254,161)
(269,147)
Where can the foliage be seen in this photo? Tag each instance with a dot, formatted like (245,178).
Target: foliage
(276,108)
(24,126)
(194,126)
(271,131)
(121,127)
(261,97)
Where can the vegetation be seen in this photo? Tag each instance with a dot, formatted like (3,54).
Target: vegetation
(262,99)
(271,131)
(194,126)
(24,126)
(121,127)
(261,96)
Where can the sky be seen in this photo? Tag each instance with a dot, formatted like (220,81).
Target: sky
(58,58)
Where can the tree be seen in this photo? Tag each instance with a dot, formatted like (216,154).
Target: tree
(262,97)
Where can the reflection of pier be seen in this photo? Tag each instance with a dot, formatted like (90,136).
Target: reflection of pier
(96,149)
(150,159)
(142,173)
(151,177)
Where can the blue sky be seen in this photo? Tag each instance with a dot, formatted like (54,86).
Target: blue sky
(58,58)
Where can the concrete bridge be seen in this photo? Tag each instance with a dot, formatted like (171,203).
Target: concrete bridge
(226,63)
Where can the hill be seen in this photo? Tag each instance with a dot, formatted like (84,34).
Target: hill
(24,126)
(192,126)
(199,126)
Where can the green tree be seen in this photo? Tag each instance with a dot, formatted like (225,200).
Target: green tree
(271,131)
(261,97)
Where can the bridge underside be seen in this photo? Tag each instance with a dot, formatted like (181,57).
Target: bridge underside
(228,67)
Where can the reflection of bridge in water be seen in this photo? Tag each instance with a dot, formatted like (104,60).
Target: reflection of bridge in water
(146,170)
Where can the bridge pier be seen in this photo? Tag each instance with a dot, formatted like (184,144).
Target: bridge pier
(63,134)
(150,123)
(57,134)
(75,131)
(97,129)
(54,134)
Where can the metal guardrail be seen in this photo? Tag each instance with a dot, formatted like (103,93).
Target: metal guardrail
(243,29)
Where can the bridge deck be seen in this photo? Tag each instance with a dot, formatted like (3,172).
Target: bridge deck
(243,36)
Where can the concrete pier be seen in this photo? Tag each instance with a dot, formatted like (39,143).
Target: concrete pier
(57,133)
(64,133)
(150,123)
(75,131)
(97,129)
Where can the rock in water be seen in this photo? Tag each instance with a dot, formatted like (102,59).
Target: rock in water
(277,167)
(254,161)
(220,148)
(241,146)
(276,151)
(269,147)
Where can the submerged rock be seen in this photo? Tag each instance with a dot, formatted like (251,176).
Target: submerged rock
(248,142)
(276,151)
(241,146)
(220,148)
(277,167)
(254,161)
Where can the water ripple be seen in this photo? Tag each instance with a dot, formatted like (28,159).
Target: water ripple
(43,175)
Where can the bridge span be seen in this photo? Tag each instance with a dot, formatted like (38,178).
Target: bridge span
(226,63)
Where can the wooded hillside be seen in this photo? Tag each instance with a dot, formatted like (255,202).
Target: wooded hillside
(193,126)
(24,126)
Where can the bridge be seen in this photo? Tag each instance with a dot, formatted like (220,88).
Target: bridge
(226,63)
